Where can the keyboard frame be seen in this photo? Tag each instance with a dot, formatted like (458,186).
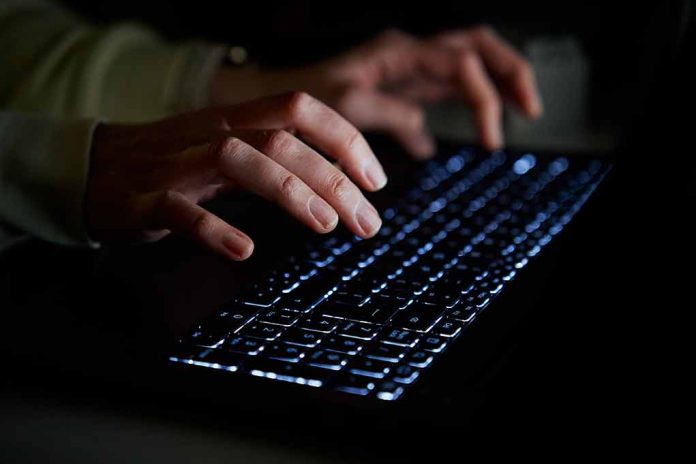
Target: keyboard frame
(490,329)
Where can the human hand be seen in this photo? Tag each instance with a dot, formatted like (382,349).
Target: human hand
(147,180)
(382,84)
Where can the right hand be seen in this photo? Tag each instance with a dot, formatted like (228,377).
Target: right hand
(147,180)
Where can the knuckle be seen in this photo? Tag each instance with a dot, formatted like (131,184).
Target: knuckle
(289,186)
(226,148)
(277,141)
(168,198)
(203,226)
(352,138)
(297,103)
(339,185)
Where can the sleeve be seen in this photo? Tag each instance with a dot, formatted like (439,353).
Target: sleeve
(56,64)
(44,165)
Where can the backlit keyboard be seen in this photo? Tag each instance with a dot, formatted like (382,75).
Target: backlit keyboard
(367,317)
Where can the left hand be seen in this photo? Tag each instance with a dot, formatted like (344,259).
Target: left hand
(382,84)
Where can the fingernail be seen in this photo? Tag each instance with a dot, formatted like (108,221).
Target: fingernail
(375,176)
(235,246)
(367,218)
(323,213)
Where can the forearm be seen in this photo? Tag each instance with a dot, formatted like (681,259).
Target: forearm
(60,66)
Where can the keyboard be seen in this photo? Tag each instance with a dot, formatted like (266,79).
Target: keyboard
(368,317)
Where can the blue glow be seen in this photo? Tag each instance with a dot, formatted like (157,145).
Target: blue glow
(193,362)
(367,262)
(286,378)
(425,248)
(558,165)
(455,164)
(390,396)
(374,375)
(496,290)
(524,164)
(534,251)
(408,380)
(437,205)
(522,263)
(440,236)
(452,225)
(543,241)
(357,391)
(383,249)
(291,288)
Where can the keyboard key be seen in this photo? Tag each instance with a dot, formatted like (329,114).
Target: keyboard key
(440,297)
(302,337)
(259,297)
(286,372)
(433,344)
(345,345)
(205,337)
(261,330)
(400,337)
(318,324)
(369,368)
(418,317)
(449,328)
(391,302)
(281,317)
(284,352)
(405,374)
(326,359)
(312,292)
(419,358)
(223,359)
(354,384)
(244,345)
(461,313)
(412,287)
(233,318)
(350,298)
(358,330)
(389,391)
(384,352)
(369,313)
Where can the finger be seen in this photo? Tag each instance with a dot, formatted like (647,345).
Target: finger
(175,212)
(389,56)
(510,70)
(319,125)
(321,176)
(402,119)
(425,90)
(480,93)
(252,170)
